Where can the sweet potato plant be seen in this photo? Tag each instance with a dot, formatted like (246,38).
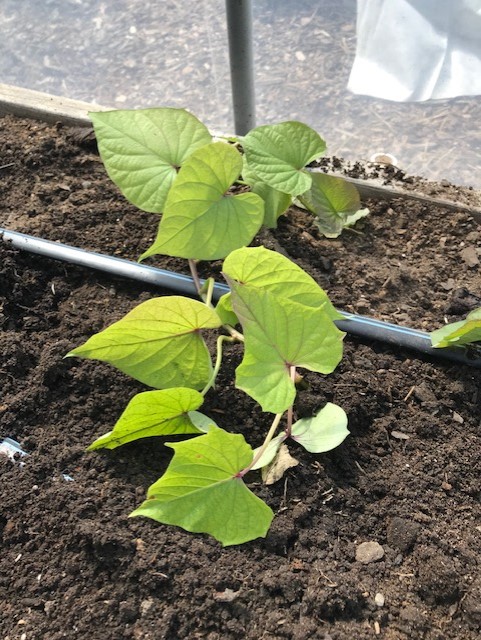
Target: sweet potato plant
(166,162)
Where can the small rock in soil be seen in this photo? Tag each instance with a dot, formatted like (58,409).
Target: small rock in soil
(128,611)
(49,606)
(379,600)
(368,552)
(470,257)
(411,615)
(437,579)
(462,302)
(424,394)
(402,533)
(146,606)
(228,595)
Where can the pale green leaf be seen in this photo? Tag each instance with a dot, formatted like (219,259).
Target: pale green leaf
(270,453)
(201,421)
(225,312)
(275,202)
(153,413)
(158,343)
(143,149)
(459,333)
(334,202)
(278,334)
(352,218)
(324,431)
(262,268)
(201,220)
(277,154)
(200,490)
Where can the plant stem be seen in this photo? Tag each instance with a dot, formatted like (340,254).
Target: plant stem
(210,291)
(218,362)
(195,276)
(236,335)
(292,373)
(260,453)
(207,298)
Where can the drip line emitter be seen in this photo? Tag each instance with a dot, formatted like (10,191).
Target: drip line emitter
(355,325)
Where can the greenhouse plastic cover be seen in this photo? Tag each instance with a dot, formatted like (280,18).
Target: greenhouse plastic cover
(413,50)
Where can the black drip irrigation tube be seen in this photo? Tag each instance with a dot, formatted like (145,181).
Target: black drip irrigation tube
(360,326)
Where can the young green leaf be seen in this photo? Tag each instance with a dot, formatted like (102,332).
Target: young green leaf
(277,155)
(143,149)
(262,268)
(153,413)
(335,203)
(225,311)
(200,490)
(270,453)
(278,334)
(275,202)
(459,333)
(352,218)
(324,431)
(201,421)
(201,220)
(158,343)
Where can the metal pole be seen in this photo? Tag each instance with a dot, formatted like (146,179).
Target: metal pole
(239,29)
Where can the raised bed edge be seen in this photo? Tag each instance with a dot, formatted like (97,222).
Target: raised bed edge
(37,105)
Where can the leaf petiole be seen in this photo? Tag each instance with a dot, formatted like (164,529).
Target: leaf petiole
(206,297)
(195,276)
(208,288)
(292,373)
(265,444)
(218,362)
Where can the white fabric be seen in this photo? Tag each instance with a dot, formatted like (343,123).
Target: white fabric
(413,50)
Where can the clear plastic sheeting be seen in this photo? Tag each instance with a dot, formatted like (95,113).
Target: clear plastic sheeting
(131,53)
(414,50)
(12,449)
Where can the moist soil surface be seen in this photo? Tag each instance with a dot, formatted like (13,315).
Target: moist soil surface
(73,565)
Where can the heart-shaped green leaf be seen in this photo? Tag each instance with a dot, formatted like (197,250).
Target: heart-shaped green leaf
(324,431)
(275,202)
(335,203)
(277,154)
(200,490)
(153,413)
(262,268)
(201,220)
(143,149)
(158,343)
(459,333)
(279,334)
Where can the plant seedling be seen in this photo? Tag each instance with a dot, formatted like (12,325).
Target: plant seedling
(465,333)
(214,197)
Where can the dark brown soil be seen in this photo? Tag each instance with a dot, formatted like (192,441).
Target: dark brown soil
(73,565)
